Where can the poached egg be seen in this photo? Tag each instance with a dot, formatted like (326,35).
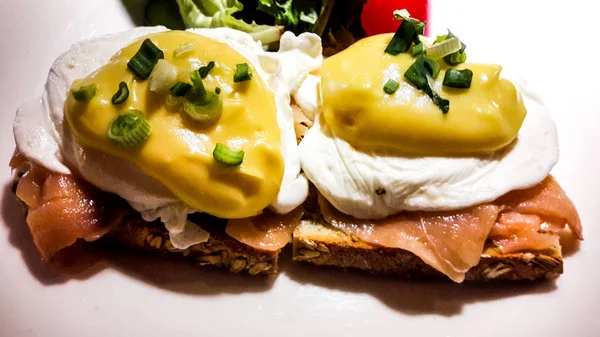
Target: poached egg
(43,134)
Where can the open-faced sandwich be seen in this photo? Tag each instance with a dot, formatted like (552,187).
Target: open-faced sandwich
(173,141)
(428,166)
(185,142)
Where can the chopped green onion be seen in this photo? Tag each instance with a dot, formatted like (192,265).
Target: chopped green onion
(440,38)
(431,66)
(201,105)
(390,87)
(163,77)
(85,93)
(206,110)
(444,48)
(402,39)
(455,78)
(457,57)
(407,33)
(145,59)
(438,100)
(242,73)
(184,49)
(401,13)
(227,156)
(217,90)
(421,75)
(180,89)
(197,81)
(121,95)
(418,49)
(129,129)
(419,28)
(205,70)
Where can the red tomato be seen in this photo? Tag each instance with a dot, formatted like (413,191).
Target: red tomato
(377,16)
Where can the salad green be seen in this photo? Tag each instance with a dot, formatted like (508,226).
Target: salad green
(219,13)
(265,20)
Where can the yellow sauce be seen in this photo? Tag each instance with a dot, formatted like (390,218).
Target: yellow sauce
(481,119)
(179,151)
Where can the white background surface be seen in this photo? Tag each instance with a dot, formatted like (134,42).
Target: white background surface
(109,294)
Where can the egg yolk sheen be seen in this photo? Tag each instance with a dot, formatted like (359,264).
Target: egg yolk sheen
(483,118)
(179,151)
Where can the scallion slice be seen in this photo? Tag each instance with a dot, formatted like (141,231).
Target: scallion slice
(407,33)
(184,49)
(242,73)
(444,48)
(226,156)
(457,57)
(84,93)
(402,39)
(421,75)
(390,87)
(163,77)
(180,89)
(145,59)
(201,105)
(440,38)
(130,129)
(205,70)
(121,95)
(455,78)
(197,80)
(206,110)
(418,49)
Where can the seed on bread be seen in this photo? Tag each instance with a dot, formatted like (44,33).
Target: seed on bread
(322,248)
(493,272)
(259,268)
(305,254)
(308,244)
(238,264)
(210,260)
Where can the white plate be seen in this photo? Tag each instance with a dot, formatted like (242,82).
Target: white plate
(111,294)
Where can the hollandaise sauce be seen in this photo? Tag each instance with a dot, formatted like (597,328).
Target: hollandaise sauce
(178,150)
(368,102)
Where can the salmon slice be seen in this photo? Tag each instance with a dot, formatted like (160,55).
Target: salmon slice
(62,209)
(517,232)
(268,231)
(452,242)
(547,200)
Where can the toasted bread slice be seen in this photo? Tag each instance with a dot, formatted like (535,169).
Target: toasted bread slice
(220,250)
(316,242)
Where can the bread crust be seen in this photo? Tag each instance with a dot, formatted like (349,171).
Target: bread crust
(316,242)
(221,250)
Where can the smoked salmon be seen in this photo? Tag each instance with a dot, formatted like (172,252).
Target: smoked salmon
(63,209)
(268,231)
(452,242)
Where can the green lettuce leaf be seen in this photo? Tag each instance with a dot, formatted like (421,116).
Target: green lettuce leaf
(207,13)
(296,15)
(218,13)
